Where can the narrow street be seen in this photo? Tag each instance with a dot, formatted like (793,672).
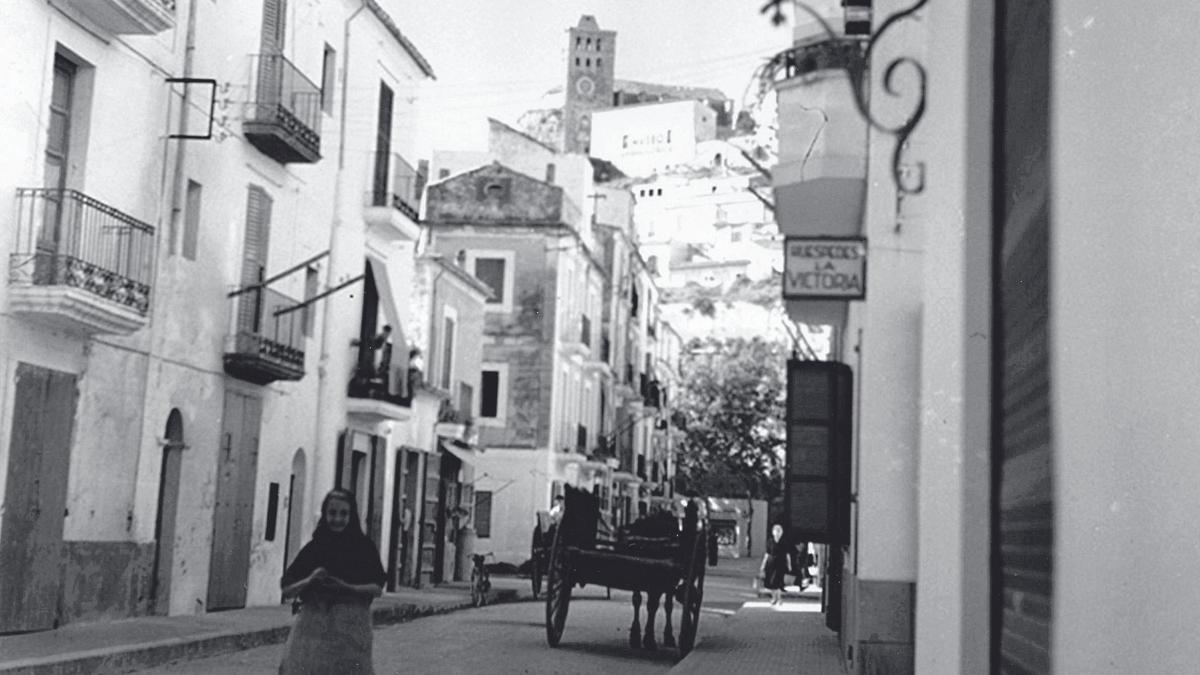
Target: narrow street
(511,638)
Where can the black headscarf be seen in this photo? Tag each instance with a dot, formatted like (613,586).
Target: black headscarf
(348,555)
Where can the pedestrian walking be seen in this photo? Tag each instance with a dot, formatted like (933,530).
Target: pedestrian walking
(776,563)
(336,576)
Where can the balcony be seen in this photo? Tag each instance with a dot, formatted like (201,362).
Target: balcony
(284,116)
(265,346)
(651,393)
(394,203)
(384,393)
(78,264)
(128,17)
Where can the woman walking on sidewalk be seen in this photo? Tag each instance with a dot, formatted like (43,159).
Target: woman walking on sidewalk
(336,575)
(775,564)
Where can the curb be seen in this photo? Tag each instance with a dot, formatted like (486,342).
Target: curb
(129,658)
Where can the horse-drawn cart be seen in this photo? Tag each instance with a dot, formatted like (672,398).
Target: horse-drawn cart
(661,557)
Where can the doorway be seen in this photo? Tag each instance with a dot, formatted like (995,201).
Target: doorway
(168,507)
(294,535)
(35,498)
(233,513)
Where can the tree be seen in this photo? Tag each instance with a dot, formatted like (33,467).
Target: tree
(732,403)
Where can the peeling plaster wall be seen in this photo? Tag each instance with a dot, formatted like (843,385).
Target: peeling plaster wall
(104,453)
(524,338)
(523,199)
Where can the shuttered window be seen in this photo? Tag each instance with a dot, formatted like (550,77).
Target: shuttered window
(274,20)
(483,514)
(1022,453)
(491,272)
(254,255)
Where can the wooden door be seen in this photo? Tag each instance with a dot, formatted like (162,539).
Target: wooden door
(295,524)
(35,498)
(168,505)
(375,489)
(233,513)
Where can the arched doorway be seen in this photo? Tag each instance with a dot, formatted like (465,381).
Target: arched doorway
(295,521)
(168,503)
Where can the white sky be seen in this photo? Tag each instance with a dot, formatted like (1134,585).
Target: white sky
(496,58)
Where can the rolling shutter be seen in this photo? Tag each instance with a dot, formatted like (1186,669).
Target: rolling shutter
(1023,502)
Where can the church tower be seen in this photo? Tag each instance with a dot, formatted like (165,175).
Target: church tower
(590,56)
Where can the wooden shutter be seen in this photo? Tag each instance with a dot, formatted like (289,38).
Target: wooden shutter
(35,498)
(254,256)
(383,146)
(817,483)
(273,26)
(1022,453)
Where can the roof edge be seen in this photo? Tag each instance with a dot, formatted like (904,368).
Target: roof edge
(405,43)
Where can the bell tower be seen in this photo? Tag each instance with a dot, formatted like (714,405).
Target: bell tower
(590,56)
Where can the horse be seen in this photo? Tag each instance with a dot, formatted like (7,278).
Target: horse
(651,535)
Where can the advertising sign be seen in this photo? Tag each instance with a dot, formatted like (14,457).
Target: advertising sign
(824,268)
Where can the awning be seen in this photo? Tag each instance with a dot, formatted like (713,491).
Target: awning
(626,477)
(465,452)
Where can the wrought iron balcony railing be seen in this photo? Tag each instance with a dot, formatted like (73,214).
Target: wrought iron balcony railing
(66,238)
(390,384)
(265,347)
(284,116)
(396,184)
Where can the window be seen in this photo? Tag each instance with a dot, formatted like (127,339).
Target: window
(328,78)
(442,173)
(493,394)
(311,283)
(491,272)
(495,268)
(490,401)
(599,62)
(272,510)
(448,324)
(550,173)
(191,220)
(483,514)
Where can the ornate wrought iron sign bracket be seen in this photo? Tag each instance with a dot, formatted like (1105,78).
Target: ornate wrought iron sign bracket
(857,64)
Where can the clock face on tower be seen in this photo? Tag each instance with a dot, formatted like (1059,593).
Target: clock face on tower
(585,86)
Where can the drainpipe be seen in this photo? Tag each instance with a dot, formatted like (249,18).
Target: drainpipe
(329,393)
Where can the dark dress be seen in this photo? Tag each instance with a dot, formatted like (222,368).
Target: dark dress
(332,632)
(776,566)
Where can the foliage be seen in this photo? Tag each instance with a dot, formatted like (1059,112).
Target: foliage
(732,399)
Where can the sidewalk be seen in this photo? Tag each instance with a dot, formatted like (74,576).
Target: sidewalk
(144,642)
(759,638)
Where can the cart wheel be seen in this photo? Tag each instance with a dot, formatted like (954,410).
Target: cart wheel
(558,590)
(693,595)
(537,560)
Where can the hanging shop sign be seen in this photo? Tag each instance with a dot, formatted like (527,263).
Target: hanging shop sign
(825,268)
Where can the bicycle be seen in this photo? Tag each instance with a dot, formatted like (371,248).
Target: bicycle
(480,582)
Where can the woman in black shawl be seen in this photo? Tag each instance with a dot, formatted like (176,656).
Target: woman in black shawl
(776,562)
(336,575)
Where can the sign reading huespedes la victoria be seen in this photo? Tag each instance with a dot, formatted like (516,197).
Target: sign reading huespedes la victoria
(825,268)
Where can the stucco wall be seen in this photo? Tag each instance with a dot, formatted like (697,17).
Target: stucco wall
(1124,344)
